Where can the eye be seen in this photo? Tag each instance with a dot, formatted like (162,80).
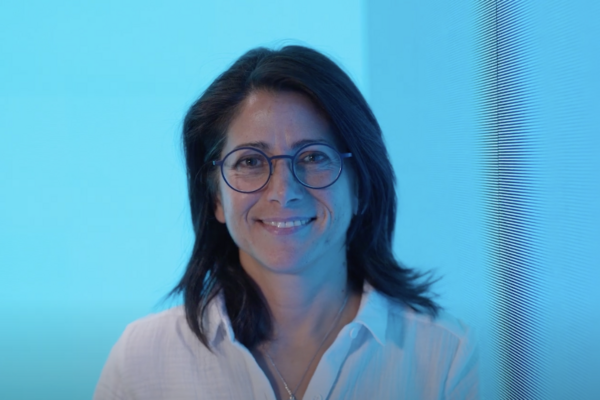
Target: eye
(313,157)
(249,162)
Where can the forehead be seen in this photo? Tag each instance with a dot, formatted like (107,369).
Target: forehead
(277,121)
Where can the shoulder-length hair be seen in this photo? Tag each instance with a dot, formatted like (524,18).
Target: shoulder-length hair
(214,264)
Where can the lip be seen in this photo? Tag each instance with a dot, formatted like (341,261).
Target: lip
(281,226)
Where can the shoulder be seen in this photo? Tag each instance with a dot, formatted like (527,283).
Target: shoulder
(390,319)
(444,324)
(145,343)
(149,338)
(157,326)
(157,356)
(441,346)
(444,338)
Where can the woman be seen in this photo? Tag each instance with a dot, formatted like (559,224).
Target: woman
(292,290)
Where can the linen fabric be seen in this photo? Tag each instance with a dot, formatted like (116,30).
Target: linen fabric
(388,351)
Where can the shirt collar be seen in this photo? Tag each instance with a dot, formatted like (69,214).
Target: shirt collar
(218,319)
(372,313)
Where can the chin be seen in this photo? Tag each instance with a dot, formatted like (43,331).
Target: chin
(285,264)
(280,262)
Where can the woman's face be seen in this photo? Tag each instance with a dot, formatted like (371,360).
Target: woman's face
(279,123)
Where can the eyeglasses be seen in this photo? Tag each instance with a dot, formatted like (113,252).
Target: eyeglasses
(316,166)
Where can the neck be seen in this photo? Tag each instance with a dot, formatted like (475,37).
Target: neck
(302,306)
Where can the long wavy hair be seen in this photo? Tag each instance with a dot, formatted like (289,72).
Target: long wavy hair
(214,265)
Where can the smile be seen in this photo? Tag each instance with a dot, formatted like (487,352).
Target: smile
(287,224)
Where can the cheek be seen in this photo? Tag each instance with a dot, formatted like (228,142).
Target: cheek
(347,200)
(341,209)
(236,207)
(341,216)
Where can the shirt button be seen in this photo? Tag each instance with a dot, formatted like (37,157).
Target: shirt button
(353,333)
(317,397)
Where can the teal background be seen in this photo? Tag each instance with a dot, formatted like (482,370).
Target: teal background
(94,222)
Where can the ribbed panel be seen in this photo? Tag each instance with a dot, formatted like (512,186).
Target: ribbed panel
(509,145)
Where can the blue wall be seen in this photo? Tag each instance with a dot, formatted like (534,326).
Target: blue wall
(94,223)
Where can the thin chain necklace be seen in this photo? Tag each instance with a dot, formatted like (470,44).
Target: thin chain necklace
(292,394)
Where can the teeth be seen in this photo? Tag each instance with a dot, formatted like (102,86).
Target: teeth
(288,224)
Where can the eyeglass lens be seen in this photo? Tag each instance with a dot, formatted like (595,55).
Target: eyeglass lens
(316,166)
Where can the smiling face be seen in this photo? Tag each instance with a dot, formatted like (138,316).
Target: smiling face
(285,227)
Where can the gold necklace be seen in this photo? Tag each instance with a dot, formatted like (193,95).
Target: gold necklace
(292,394)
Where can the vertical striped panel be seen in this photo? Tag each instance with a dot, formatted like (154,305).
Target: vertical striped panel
(509,143)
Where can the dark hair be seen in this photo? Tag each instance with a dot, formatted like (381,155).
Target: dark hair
(214,264)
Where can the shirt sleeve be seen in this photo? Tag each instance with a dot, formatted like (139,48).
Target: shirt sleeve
(463,377)
(112,385)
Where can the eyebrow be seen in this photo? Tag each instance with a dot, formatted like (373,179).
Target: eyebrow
(265,146)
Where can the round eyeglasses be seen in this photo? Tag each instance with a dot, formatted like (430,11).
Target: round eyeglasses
(316,166)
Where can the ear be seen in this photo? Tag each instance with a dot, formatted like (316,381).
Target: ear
(219,212)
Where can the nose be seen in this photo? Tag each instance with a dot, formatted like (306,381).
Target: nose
(283,186)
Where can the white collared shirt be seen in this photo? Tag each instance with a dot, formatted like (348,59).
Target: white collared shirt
(387,352)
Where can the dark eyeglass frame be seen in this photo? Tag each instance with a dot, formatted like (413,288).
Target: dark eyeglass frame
(293,165)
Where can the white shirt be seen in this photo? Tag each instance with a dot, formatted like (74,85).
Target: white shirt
(387,352)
